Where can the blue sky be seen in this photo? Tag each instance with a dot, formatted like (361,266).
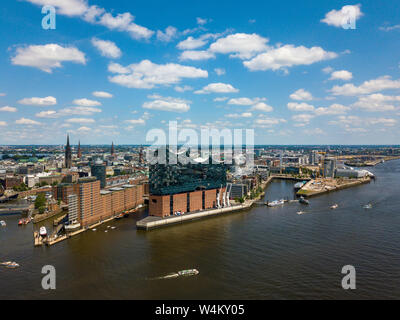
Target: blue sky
(113,70)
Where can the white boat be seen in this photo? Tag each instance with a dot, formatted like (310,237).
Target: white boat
(43,232)
(3,223)
(300,212)
(276,203)
(335,206)
(368,206)
(10,264)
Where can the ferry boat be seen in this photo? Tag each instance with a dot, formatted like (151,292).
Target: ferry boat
(275,203)
(43,232)
(73,226)
(335,206)
(190,272)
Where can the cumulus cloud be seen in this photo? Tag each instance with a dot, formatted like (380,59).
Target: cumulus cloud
(86,102)
(377,103)
(183,88)
(147,75)
(196,55)
(338,18)
(47,57)
(168,35)
(167,104)
(107,48)
(371,86)
(287,56)
(191,43)
(304,118)
(268,122)
(8,109)
(245,101)
(41,102)
(123,22)
(25,121)
(294,106)
(301,95)
(217,88)
(102,94)
(80,120)
(240,115)
(263,107)
(341,75)
(240,45)
(219,71)
(136,121)
(333,109)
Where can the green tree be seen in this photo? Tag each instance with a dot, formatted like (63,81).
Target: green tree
(40,201)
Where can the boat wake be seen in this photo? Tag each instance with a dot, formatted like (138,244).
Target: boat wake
(174,275)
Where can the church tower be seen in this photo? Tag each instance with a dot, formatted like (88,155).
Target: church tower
(68,155)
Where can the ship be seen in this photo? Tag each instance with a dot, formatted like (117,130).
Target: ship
(335,206)
(43,232)
(10,264)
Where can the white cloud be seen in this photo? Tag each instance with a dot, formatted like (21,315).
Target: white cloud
(202,21)
(217,88)
(47,57)
(168,35)
(261,106)
(269,122)
(375,85)
(86,102)
(35,101)
(8,109)
(240,115)
(80,120)
(240,45)
(167,104)
(107,48)
(196,55)
(191,43)
(136,121)
(304,118)
(332,110)
(50,114)
(82,111)
(301,95)
(102,94)
(377,102)
(288,56)
(338,18)
(295,106)
(221,99)
(341,75)
(96,15)
(183,88)
(146,74)
(390,28)
(327,70)
(354,121)
(245,101)
(219,71)
(27,121)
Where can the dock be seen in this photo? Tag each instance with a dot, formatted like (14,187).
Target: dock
(152,222)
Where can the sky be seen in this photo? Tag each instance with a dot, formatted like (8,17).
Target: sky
(114,70)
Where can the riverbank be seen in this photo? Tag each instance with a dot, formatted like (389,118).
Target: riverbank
(321,186)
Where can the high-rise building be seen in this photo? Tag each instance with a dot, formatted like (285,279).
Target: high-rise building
(79,150)
(68,155)
(329,167)
(112,149)
(98,170)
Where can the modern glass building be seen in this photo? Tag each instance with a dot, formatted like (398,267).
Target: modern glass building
(98,170)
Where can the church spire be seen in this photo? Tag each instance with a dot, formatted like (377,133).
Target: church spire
(68,154)
(79,150)
(112,148)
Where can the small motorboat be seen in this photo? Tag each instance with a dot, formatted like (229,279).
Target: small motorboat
(43,232)
(368,206)
(190,272)
(94,229)
(10,264)
(112,228)
(302,200)
(3,223)
(335,206)
(300,212)
(275,203)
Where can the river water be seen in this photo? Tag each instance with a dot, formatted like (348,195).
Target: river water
(261,253)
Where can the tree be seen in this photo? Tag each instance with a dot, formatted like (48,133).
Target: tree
(40,201)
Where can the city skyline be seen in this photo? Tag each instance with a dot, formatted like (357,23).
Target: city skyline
(294,76)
